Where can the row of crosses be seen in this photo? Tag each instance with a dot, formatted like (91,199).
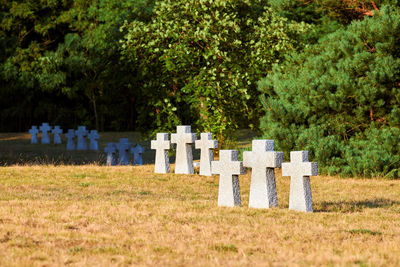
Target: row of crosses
(71,135)
(45,129)
(80,136)
(262,160)
(184,156)
(124,147)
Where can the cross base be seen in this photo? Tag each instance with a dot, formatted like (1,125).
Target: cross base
(263,190)
(229,191)
(162,162)
(300,198)
(184,160)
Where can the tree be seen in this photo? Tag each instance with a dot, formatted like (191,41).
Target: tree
(340,98)
(198,61)
(63,63)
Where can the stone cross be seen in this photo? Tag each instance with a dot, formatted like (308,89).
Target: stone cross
(161,145)
(93,137)
(228,167)
(123,151)
(57,131)
(70,135)
(34,131)
(184,157)
(45,128)
(137,155)
(111,150)
(206,146)
(300,170)
(262,160)
(81,133)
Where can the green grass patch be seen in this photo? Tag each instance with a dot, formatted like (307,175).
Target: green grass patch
(364,231)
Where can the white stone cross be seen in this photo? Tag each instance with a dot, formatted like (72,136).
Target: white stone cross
(184,157)
(228,167)
(93,137)
(206,146)
(45,128)
(161,145)
(70,135)
(57,131)
(137,155)
(81,133)
(262,161)
(300,170)
(34,131)
(111,150)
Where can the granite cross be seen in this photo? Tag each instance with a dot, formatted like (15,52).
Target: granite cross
(70,135)
(123,151)
(93,137)
(57,131)
(206,146)
(184,157)
(111,150)
(161,145)
(300,170)
(81,133)
(34,131)
(228,167)
(262,161)
(45,128)
(137,155)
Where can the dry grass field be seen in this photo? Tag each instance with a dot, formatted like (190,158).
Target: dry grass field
(93,215)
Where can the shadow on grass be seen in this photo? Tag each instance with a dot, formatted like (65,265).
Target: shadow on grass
(15,149)
(354,206)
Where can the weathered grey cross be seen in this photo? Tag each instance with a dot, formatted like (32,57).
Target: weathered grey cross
(161,145)
(206,146)
(81,133)
(111,150)
(228,167)
(45,135)
(70,135)
(300,170)
(263,159)
(123,151)
(137,154)
(93,136)
(57,131)
(34,131)
(184,157)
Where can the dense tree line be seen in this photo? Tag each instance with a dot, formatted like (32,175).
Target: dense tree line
(319,75)
(61,63)
(68,62)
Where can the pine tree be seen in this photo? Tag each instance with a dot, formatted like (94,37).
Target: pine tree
(340,98)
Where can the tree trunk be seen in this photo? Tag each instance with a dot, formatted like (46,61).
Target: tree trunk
(96,117)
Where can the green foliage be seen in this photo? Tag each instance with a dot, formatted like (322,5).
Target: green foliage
(147,65)
(342,11)
(198,61)
(63,57)
(340,99)
(375,153)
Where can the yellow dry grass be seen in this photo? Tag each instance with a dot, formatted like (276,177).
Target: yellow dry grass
(102,216)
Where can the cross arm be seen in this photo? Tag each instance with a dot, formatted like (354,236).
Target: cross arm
(300,168)
(276,159)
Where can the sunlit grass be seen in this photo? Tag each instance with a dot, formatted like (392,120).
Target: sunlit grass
(97,215)
(53,213)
